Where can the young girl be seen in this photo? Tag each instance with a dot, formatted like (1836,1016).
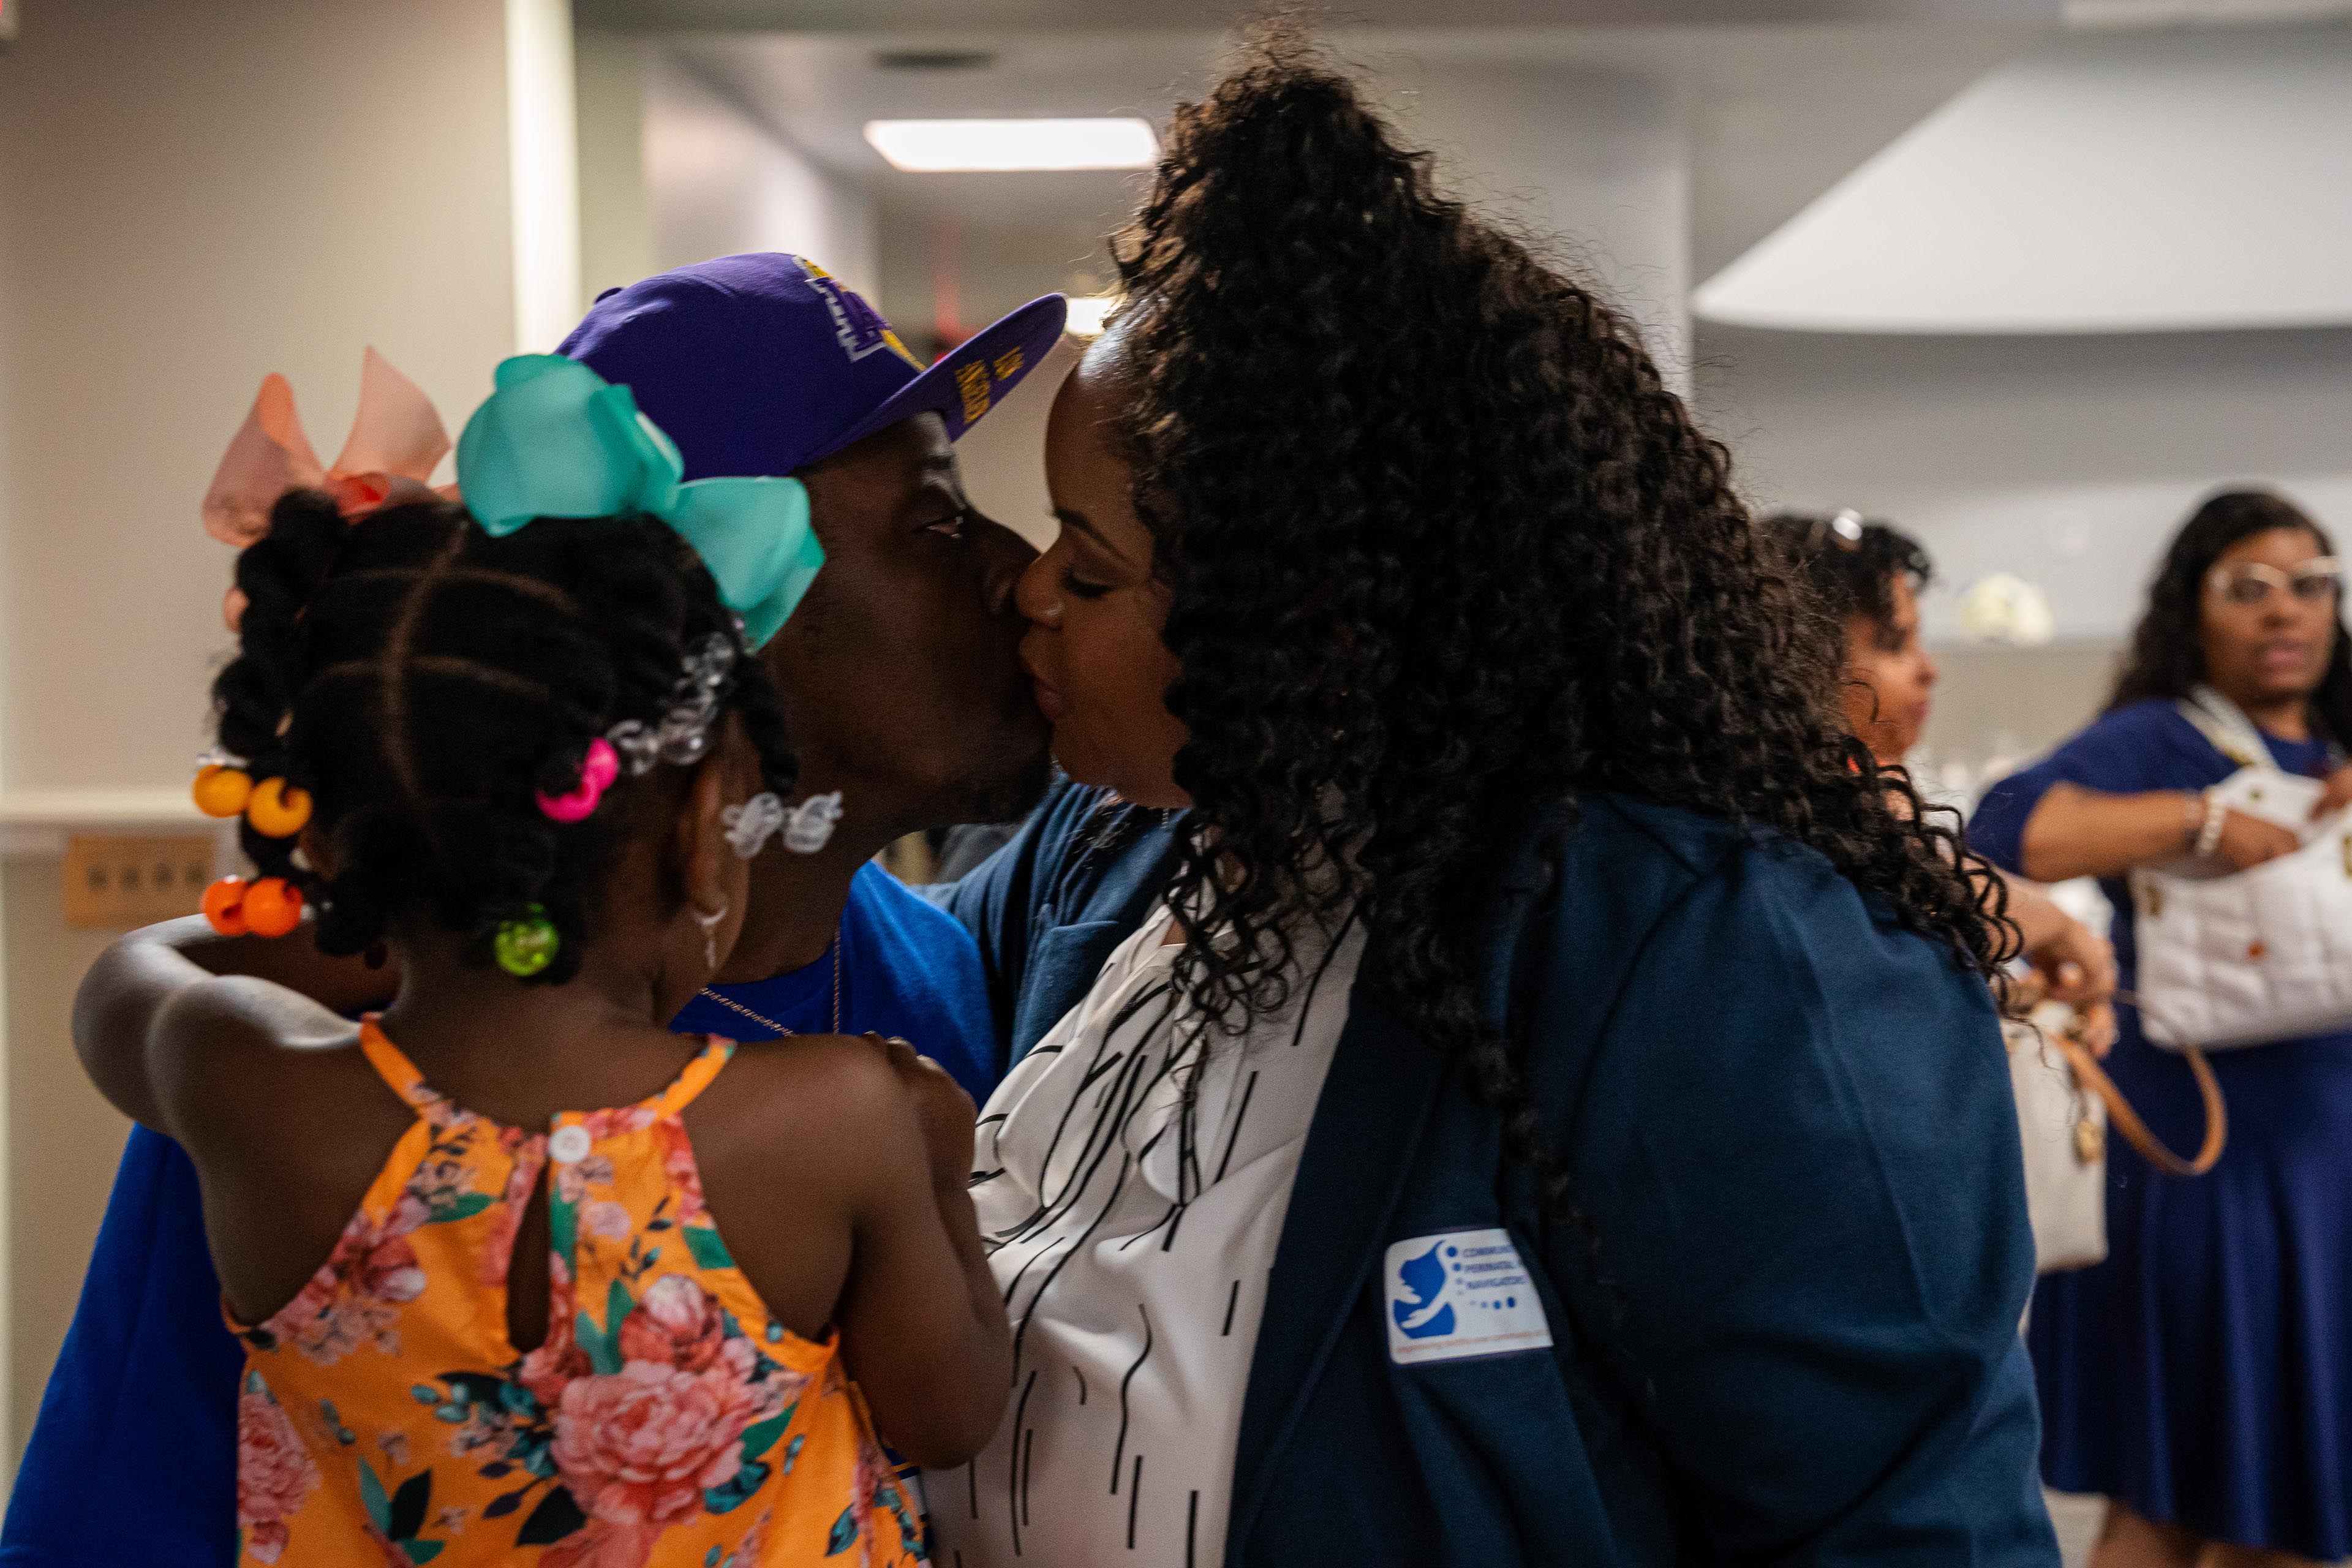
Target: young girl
(521,1275)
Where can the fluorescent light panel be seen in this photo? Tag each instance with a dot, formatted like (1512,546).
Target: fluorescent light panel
(1006,146)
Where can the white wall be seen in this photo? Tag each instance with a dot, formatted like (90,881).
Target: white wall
(616,240)
(718,182)
(197,195)
(190,196)
(1593,159)
(2068,461)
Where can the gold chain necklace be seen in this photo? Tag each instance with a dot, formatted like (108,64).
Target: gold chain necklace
(767,1023)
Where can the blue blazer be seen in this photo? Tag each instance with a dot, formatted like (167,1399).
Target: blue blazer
(1792,1335)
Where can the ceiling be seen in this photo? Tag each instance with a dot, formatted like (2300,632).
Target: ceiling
(1777,100)
(2067,190)
(1773,115)
(1127,16)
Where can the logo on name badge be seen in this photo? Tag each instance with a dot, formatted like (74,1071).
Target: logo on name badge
(1461,1293)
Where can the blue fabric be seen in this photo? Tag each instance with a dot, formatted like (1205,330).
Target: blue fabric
(2204,1374)
(133,1459)
(905,969)
(1789,1123)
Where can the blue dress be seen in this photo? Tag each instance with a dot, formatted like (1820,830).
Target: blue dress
(2204,1374)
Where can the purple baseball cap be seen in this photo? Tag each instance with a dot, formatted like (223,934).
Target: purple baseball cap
(762,364)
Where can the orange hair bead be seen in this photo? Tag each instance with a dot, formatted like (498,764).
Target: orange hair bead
(277,810)
(221,790)
(224,906)
(272,907)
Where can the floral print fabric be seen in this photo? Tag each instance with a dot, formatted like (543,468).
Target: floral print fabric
(667,1421)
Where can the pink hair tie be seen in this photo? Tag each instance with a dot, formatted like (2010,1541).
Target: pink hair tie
(597,776)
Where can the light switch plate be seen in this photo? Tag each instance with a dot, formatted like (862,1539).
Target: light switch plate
(114,882)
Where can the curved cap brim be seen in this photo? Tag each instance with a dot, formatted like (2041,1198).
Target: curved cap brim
(973,377)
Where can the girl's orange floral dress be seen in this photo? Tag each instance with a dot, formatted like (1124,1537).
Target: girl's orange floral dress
(668,1421)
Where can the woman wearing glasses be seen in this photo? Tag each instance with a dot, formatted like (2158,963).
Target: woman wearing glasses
(2202,1377)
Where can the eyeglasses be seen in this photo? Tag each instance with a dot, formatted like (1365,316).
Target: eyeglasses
(2317,581)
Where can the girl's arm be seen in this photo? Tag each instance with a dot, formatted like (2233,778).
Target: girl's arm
(838,1173)
(2078,832)
(922,1322)
(148,998)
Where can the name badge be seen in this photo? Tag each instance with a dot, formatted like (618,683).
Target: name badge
(1461,1293)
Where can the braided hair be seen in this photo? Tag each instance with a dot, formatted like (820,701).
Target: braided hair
(424,680)
(1433,529)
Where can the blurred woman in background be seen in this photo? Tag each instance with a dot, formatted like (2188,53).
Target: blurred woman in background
(2201,1378)
(1866,576)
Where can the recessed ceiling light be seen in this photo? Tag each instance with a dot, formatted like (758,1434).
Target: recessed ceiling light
(996,146)
(1088,314)
(933,59)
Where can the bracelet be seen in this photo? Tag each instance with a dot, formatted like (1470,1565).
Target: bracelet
(2208,831)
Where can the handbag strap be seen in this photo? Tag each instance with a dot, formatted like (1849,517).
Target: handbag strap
(2126,1120)
(2225,725)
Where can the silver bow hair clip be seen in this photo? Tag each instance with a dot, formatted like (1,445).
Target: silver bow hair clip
(807,827)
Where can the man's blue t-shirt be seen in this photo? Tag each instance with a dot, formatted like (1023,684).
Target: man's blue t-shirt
(134,1457)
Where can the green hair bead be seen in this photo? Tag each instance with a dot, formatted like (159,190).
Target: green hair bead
(527,945)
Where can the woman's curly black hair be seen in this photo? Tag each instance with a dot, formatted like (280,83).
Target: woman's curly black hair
(2168,655)
(1433,528)
(1849,575)
(423,680)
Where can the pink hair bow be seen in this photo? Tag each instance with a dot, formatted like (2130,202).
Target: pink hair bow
(395,443)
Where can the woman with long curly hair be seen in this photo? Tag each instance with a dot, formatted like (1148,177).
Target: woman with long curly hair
(1495,1080)
(2197,1378)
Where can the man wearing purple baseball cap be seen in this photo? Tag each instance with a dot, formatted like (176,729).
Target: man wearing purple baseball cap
(900,668)
(905,694)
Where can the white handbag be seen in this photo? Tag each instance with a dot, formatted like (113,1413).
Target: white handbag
(2258,955)
(2063,1128)
(2066,1103)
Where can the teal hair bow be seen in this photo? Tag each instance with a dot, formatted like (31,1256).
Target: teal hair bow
(556,439)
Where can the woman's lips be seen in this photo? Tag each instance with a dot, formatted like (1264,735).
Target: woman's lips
(1049,701)
(2287,655)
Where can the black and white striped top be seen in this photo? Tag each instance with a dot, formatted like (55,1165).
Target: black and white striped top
(1133,1231)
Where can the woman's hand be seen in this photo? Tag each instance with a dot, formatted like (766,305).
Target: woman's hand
(2338,793)
(2070,963)
(2248,841)
(2079,969)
